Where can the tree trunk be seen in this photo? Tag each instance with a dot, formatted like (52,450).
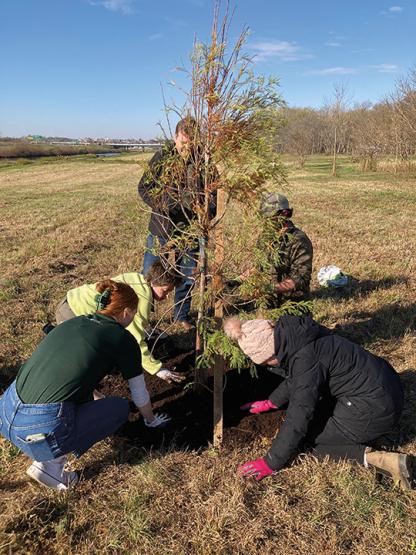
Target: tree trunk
(334,160)
(218,314)
(201,373)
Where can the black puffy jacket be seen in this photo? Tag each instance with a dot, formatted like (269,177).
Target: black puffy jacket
(316,362)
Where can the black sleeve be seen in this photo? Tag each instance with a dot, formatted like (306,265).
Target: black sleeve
(148,182)
(308,377)
(212,205)
(161,197)
(280,395)
(215,176)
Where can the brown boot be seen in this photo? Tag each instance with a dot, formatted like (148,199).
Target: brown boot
(396,465)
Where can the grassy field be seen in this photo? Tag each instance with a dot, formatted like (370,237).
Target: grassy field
(73,221)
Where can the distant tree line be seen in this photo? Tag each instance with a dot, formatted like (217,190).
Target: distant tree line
(26,149)
(380,136)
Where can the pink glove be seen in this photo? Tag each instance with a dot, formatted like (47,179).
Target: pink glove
(259,469)
(258,406)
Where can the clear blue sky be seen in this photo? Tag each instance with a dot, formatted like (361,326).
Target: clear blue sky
(95,67)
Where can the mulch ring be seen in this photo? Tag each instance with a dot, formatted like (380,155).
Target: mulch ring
(192,411)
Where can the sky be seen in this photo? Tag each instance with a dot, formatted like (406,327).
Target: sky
(97,68)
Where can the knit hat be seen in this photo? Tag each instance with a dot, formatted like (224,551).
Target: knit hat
(255,337)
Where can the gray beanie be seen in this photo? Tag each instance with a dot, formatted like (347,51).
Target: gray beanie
(255,337)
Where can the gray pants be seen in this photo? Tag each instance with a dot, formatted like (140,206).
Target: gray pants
(63,312)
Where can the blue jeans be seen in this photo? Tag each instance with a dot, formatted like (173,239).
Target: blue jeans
(185,264)
(47,431)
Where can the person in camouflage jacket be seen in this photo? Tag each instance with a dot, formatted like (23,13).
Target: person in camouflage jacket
(286,252)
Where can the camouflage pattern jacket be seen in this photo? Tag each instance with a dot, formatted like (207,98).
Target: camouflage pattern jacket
(296,253)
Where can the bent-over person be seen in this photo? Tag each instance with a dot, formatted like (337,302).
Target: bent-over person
(48,411)
(341,398)
(155,286)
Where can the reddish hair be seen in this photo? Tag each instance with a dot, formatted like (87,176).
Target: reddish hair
(119,297)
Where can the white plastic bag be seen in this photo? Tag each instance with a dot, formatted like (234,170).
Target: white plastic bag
(332,276)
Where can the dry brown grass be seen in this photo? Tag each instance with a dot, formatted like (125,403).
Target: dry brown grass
(190,503)
(397,166)
(70,222)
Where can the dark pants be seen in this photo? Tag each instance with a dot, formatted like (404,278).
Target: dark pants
(185,262)
(332,443)
(341,431)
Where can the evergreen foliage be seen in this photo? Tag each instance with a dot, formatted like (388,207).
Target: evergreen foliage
(236,120)
(218,344)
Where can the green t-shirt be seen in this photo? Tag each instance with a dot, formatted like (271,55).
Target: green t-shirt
(74,357)
(82,301)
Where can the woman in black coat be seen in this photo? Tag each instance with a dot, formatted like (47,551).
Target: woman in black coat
(340,397)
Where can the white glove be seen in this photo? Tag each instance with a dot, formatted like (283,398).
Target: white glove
(169,376)
(160,421)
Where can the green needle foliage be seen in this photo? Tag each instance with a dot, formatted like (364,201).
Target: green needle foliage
(236,119)
(218,344)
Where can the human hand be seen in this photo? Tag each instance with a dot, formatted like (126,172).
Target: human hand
(256,407)
(285,286)
(169,376)
(258,468)
(160,421)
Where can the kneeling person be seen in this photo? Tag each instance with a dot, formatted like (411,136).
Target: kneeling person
(48,411)
(154,286)
(340,397)
(287,251)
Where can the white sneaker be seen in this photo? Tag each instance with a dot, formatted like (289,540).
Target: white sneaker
(52,474)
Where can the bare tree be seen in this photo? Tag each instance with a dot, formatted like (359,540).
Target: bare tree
(404,98)
(402,103)
(370,133)
(302,132)
(336,110)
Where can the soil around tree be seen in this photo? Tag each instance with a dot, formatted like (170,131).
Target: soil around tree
(191,411)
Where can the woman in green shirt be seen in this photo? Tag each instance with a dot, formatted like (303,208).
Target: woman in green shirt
(154,286)
(48,411)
